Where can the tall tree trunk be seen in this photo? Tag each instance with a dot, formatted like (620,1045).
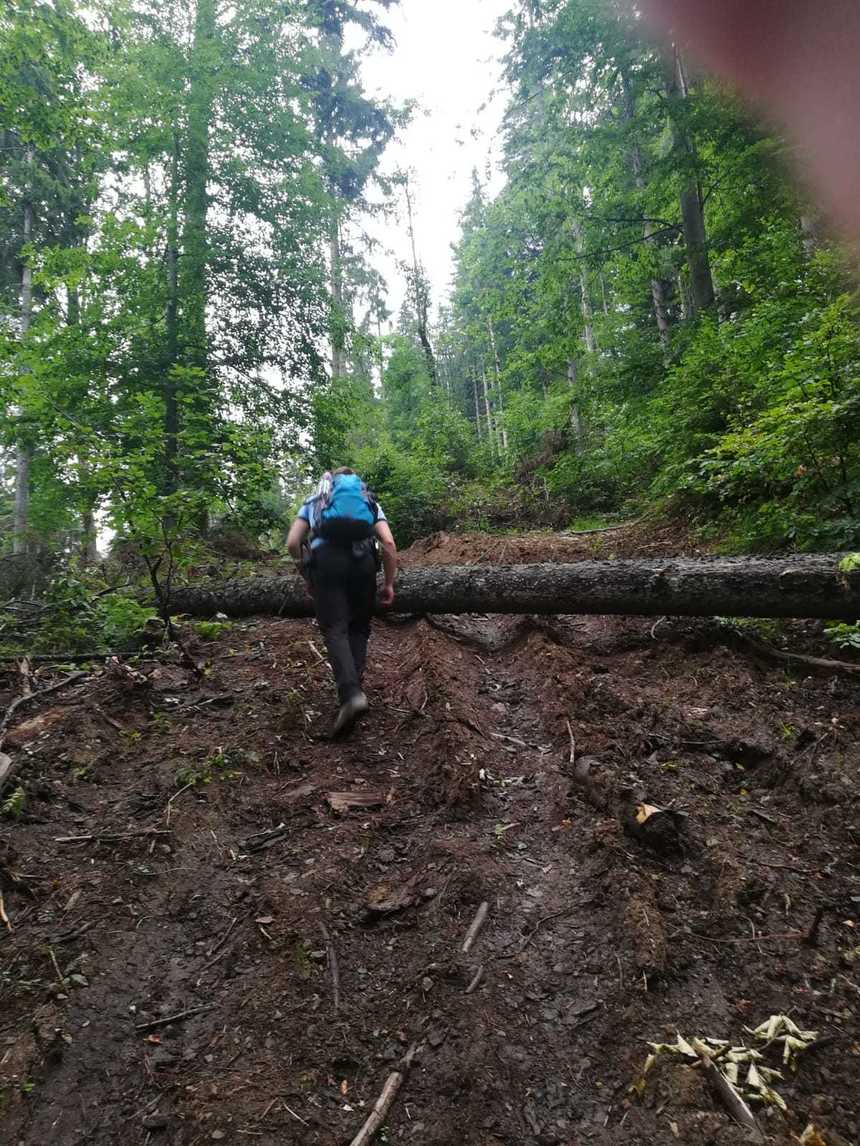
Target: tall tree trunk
(576,428)
(23,453)
(692,206)
(497,374)
(584,291)
(658,290)
(193,287)
(491,424)
(603,295)
(171,323)
(422,305)
(477,404)
(195,246)
(88,543)
(338,319)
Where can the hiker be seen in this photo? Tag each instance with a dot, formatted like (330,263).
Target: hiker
(334,542)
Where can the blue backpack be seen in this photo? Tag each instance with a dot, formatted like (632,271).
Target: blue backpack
(345,511)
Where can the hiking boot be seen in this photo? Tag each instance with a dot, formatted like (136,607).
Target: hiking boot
(349,712)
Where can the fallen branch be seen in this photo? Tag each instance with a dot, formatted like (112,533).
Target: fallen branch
(61,658)
(809,937)
(27,697)
(601,529)
(3,914)
(223,939)
(153,1023)
(572,744)
(476,980)
(333,968)
(474,930)
(825,664)
(60,975)
(724,1090)
(110,839)
(169,806)
(385,1101)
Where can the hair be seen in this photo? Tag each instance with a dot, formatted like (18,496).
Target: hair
(342,470)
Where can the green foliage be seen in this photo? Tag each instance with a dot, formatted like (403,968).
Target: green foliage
(743,412)
(846,636)
(13,806)
(211,630)
(225,764)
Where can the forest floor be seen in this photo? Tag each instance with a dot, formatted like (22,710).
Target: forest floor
(184,868)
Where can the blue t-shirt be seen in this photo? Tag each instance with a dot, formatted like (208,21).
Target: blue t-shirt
(306,513)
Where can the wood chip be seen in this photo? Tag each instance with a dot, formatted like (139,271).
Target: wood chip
(348,801)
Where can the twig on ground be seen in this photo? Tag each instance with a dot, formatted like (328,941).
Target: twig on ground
(386,1099)
(602,529)
(190,784)
(809,937)
(60,974)
(536,929)
(474,929)
(292,1112)
(773,654)
(476,980)
(61,658)
(764,817)
(221,942)
(113,838)
(656,626)
(27,697)
(153,1023)
(316,652)
(572,744)
(510,739)
(333,968)
(3,914)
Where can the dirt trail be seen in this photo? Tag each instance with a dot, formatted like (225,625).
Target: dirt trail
(595,944)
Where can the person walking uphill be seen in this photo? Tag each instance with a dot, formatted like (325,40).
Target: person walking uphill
(333,542)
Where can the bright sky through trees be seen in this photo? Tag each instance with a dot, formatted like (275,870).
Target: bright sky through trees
(448,59)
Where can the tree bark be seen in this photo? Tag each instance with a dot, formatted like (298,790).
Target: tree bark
(576,428)
(802,586)
(339,319)
(497,368)
(692,207)
(491,421)
(658,290)
(422,309)
(171,325)
(23,452)
(195,246)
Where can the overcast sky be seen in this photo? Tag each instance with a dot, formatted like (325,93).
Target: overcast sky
(448,60)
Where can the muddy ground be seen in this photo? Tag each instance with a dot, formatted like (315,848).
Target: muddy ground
(180,852)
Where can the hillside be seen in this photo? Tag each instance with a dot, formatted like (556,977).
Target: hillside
(184,878)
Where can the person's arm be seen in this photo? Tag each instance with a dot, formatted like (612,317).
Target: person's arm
(298,532)
(389,561)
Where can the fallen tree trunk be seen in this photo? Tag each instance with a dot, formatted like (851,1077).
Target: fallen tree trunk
(802,586)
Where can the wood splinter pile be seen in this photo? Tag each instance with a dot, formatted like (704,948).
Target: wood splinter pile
(741,1066)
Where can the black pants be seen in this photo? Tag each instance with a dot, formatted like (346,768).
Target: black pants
(344,586)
